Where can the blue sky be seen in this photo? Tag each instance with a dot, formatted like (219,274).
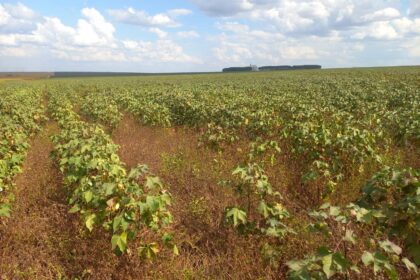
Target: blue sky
(204,35)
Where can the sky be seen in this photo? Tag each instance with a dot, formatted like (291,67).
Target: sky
(206,35)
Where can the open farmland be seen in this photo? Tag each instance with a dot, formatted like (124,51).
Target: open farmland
(276,175)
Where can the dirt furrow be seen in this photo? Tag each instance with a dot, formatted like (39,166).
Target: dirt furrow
(208,250)
(142,144)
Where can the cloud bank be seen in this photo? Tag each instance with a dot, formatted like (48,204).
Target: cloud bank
(24,34)
(209,35)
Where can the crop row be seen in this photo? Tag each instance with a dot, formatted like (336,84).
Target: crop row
(334,127)
(125,203)
(21,115)
(354,238)
(101,108)
(337,125)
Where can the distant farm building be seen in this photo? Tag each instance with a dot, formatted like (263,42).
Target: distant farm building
(252,68)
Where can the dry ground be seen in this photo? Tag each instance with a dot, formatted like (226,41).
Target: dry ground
(208,249)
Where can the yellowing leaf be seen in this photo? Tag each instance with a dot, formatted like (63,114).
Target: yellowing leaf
(90,221)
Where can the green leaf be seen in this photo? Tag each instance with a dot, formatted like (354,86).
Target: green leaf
(326,265)
(153,182)
(88,195)
(90,221)
(239,170)
(74,209)
(324,206)
(295,265)
(124,222)
(390,247)
(153,203)
(116,222)
(175,250)
(108,188)
(237,215)
(167,239)
(391,271)
(334,211)
(149,251)
(134,173)
(119,241)
(341,262)
(414,252)
(367,258)
(323,251)
(349,237)
(410,266)
(5,210)
(355,269)
(263,209)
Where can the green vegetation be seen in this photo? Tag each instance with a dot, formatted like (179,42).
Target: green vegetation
(21,115)
(103,192)
(317,171)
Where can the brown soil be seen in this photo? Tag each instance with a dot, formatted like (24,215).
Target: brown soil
(28,244)
(142,144)
(208,249)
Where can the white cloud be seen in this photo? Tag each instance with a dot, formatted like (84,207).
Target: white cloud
(414,9)
(223,7)
(139,17)
(384,14)
(178,12)
(306,31)
(93,29)
(20,11)
(231,52)
(52,30)
(413,47)
(16,18)
(293,16)
(232,26)
(15,52)
(377,30)
(4,16)
(388,30)
(265,32)
(89,53)
(188,34)
(163,50)
(243,32)
(407,26)
(159,32)
(13,39)
(92,39)
(242,45)
(303,17)
(243,53)
(299,52)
